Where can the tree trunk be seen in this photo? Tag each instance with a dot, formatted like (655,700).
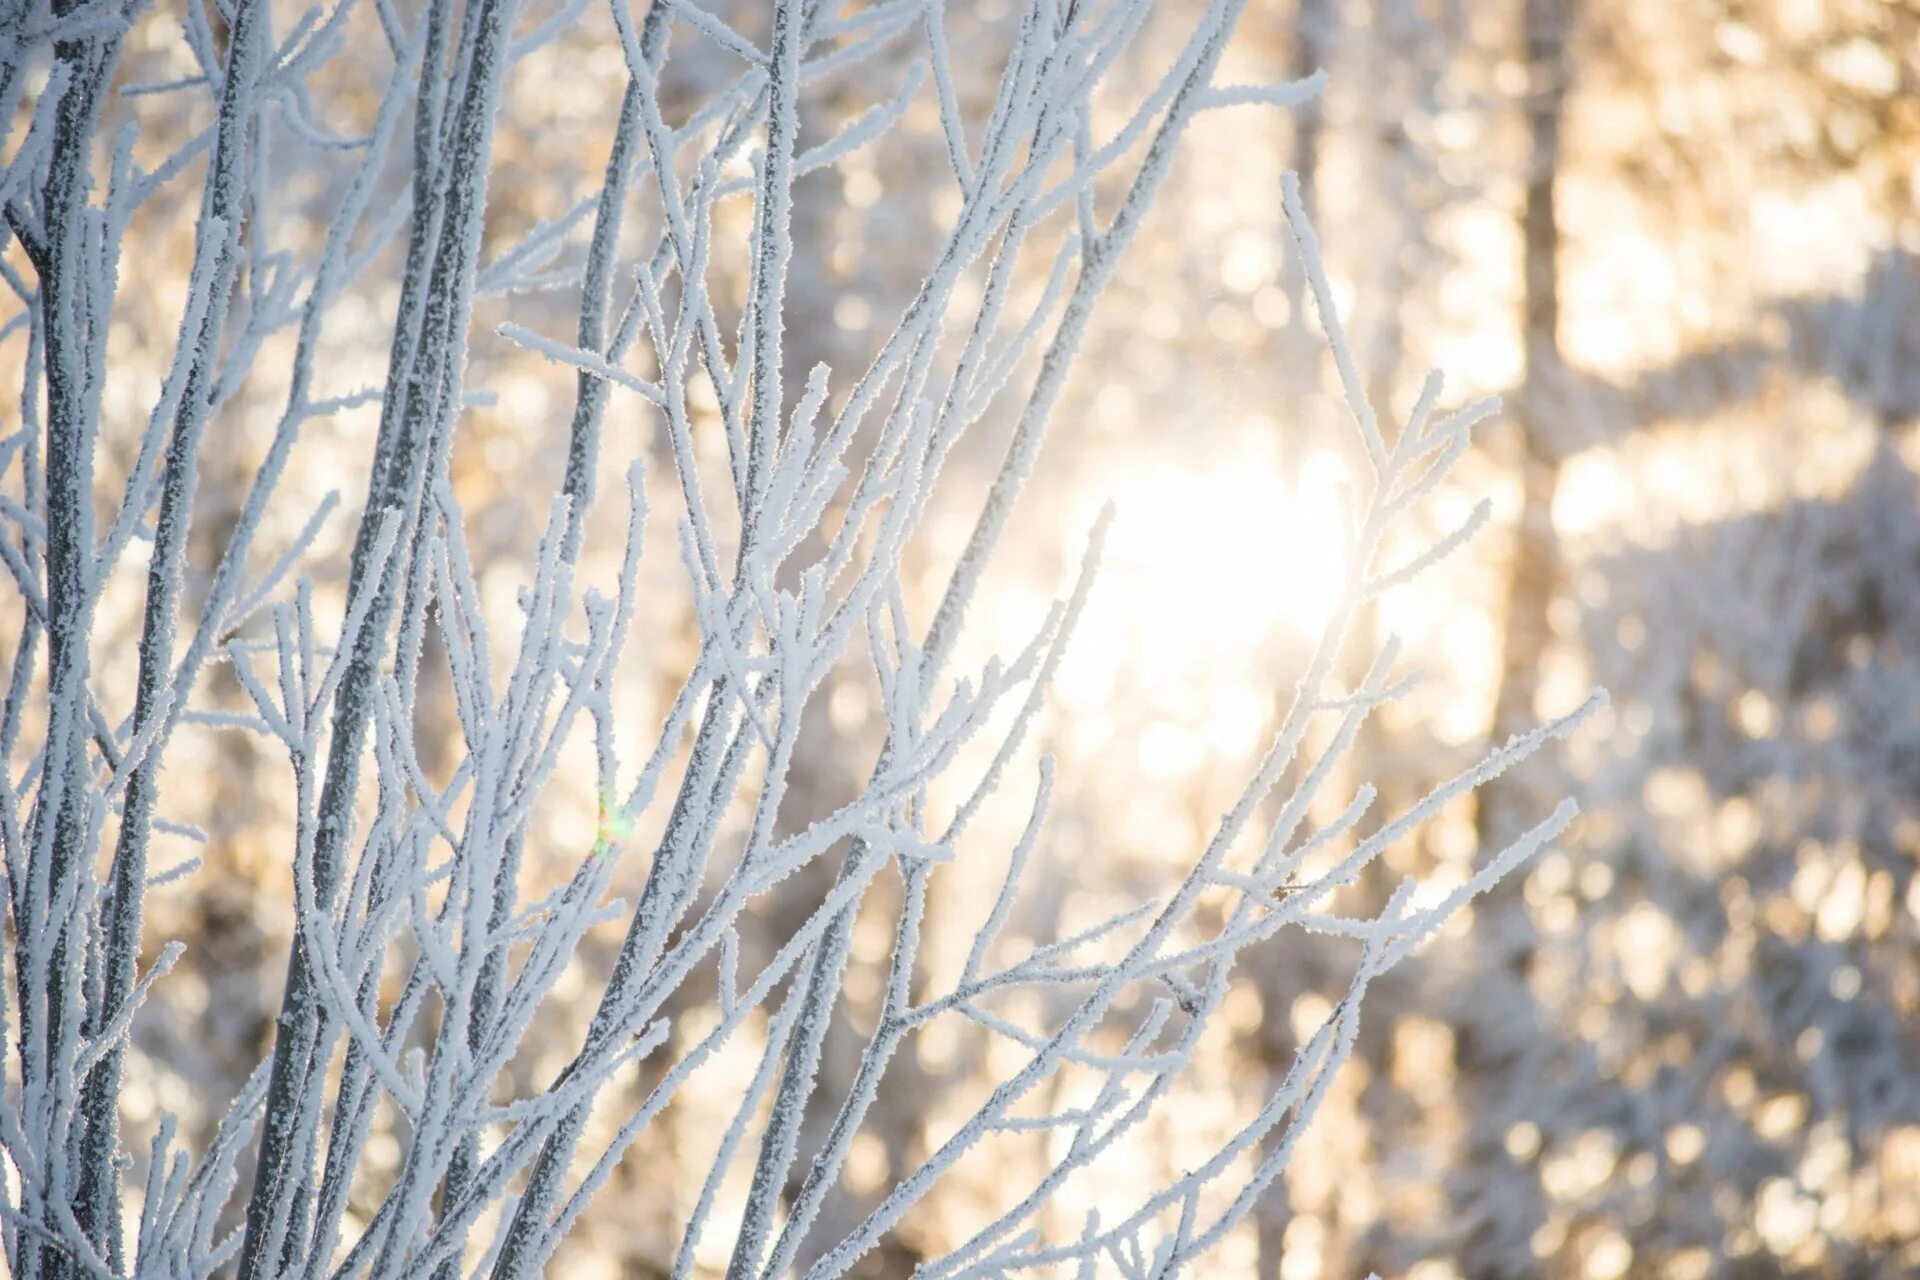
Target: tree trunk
(1533,571)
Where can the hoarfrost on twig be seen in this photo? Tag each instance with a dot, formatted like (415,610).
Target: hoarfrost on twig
(418,971)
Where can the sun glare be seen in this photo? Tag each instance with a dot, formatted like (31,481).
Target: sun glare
(1211,563)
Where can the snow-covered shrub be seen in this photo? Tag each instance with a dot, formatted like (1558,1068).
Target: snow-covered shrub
(1716,1072)
(301,163)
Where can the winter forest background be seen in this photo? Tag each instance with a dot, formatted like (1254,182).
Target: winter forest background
(560,544)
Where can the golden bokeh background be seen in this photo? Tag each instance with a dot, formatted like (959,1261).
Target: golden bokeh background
(1686,1043)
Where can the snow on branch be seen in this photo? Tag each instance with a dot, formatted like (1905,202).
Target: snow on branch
(425,966)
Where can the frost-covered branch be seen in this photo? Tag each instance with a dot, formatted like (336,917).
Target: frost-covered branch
(425,963)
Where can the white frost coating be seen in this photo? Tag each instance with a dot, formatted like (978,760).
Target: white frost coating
(419,970)
(585,361)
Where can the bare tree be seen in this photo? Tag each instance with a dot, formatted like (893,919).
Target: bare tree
(420,961)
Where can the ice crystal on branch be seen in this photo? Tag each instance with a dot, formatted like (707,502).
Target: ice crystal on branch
(422,965)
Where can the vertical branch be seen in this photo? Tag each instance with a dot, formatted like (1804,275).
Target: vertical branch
(428,373)
(73,298)
(773,249)
(221,214)
(1316,31)
(583,441)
